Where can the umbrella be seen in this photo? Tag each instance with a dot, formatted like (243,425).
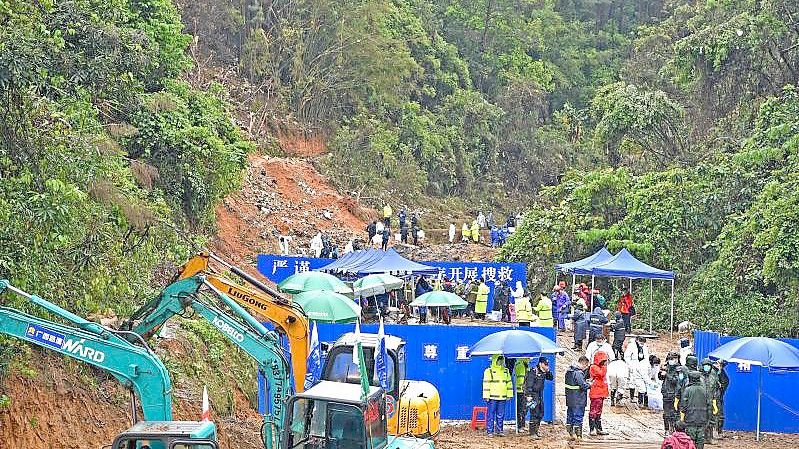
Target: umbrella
(376,284)
(766,352)
(514,344)
(328,307)
(313,280)
(439,298)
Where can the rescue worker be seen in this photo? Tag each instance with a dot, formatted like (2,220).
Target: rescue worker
(371,229)
(637,357)
(626,309)
(534,393)
(619,334)
(451,233)
(481,302)
(597,322)
(524,311)
(544,311)
(580,318)
(471,297)
(519,372)
(387,212)
(401,216)
(576,390)
(678,439)
(598,393)
(497,388)
(724,382)
(465,233)
(691,364)
(710,380)
(693,409)
(599,345)
(561,304)
(500,296)
(669,375)
(475,232)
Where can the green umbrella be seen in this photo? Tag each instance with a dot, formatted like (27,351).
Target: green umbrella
(313,280)
(328,307)
(376,284)
(439,298)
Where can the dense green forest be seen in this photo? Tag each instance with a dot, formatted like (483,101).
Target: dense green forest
(668,127)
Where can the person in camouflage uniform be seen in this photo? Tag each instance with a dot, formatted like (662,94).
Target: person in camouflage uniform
(710,380)
(693,408)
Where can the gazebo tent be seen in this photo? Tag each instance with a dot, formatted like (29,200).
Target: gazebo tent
(583,266)
(376,261)
(625,265)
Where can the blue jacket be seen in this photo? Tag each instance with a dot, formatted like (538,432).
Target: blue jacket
(580,319)
(576,388)
(598,319)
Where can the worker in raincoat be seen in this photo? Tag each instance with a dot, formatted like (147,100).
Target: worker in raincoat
(387,213)
(497,388)
(465,233)
(544,311)
(519,371)
(481,302)
(710,377)
(475,232)
(524,311)
(637,357)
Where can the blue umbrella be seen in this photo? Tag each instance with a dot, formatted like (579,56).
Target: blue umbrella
(766,352)
(515,343)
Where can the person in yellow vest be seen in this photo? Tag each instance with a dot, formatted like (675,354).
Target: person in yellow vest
(481,303)
(524,311)
(519,371)
(465,233)
(475,232)
(387,212)
(497,388)
(544,311)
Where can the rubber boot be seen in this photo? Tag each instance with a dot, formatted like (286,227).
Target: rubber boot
(709,435)
(534,429)
(591,427)
(599,430)
(570,430)
(646,400)
(613,398)
(640,399)
(632,395)
(578,432)
(666,426)
(719,428)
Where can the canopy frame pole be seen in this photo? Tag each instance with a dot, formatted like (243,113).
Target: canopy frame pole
(592,294)
(515,401)
(651,303)
(574,280)
(671,327)
(759,396)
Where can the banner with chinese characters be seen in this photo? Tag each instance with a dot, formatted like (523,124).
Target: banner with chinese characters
(277,268)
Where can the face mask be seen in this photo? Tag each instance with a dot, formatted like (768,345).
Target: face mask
(681,376)
(672,362)
(706,368)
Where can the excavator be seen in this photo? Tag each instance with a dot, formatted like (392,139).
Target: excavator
(329,415)
(414,407)
(263,301)
(133,364)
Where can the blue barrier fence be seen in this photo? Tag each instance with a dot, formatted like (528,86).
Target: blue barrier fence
(780,400)
(459,382)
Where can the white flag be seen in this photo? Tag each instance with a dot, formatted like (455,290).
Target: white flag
(206,415)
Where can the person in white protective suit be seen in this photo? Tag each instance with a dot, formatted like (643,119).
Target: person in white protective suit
(637,357)
(618,374)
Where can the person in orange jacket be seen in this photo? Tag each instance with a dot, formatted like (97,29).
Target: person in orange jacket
(599,391)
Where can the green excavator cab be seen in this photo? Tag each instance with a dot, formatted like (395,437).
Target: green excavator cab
(168,435)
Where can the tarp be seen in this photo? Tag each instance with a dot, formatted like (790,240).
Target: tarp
(584,266)
(377,261)
(626,265)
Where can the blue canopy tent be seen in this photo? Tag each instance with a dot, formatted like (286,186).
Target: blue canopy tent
(376,261)
(584,266)
(625,265)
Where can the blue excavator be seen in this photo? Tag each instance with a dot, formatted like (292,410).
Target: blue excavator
(327,416)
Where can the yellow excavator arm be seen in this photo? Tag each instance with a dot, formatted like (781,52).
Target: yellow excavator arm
(262,301)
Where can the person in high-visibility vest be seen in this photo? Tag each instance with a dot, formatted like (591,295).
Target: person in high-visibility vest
(387,212)
(524,311)
(475,232)
(544,311)
(465,233)
(481,303)
(519,371)
(497,388)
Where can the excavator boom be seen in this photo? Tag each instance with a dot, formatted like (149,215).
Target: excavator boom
(261,300)
(133,365)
